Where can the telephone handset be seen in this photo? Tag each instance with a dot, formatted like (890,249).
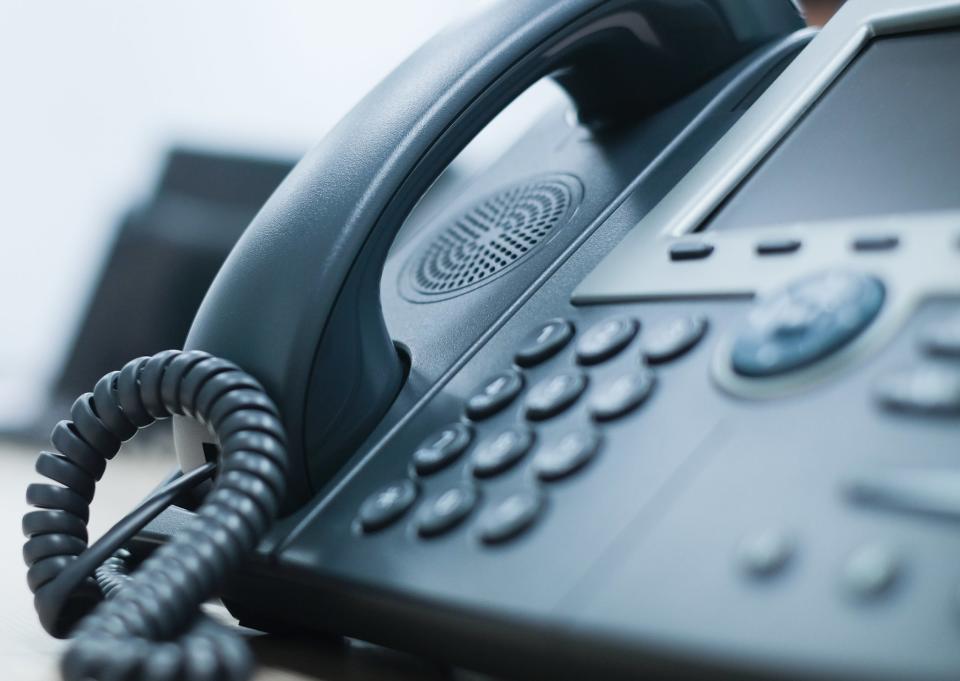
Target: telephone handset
(496,443)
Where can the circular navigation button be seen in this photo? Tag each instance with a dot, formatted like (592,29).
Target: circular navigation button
(496,455)
(386,505)
(510,517)
(604,340)
(442,448)
(669,340)
(805,322)
(446,510)
(495,395)
(566,456)
(622,394)
(552,395)
(544,342)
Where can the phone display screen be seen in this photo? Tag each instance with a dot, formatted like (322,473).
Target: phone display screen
(883,139)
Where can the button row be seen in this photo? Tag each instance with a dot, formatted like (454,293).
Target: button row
(502,521)
(869,571)
(692,249)
(663,342)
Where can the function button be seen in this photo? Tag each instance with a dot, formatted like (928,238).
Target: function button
(501,452)
(929,390)
(876,242)
(602,341)
(942,338)
(621,395)
(442,448)
(386,505)
(510,517)
(690,250)
(870,571)
(765,554)
(934,492)
(545,342)
(777,246)
(805,322)
(495,394)
(566,456)
(669,340)
(555,393)
(446,511)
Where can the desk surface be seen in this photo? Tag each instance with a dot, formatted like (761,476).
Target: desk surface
(27,653)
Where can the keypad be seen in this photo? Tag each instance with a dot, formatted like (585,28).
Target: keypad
(544,342)
(510,516)
(621,395)
(442,448)
(496,455)
(446,510)
(495,395)
(554,394)
(669,340)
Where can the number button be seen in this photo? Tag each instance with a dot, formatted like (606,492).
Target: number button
(503,451)
(545,342)
(622,395)
(495,395)
(510,517)
(604,340)
(446,511)
(554,394)
(386,505)
(442,448)
(566,456)
(672,339)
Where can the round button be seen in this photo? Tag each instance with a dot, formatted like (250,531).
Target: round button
(446,510)
(386,505)
(554,394)
(765,554)
(870,571)
(545,342)
(442,448)
(510,517)
(501,452)
(495,395)
(669,340)
(805,322)
(566,456)
(604,340)
(622,394)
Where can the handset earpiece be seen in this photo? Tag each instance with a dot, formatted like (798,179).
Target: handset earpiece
(297,301)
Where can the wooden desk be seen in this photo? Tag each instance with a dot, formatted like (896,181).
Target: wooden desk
(27,653)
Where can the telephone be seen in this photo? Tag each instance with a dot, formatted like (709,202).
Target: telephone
(672,388)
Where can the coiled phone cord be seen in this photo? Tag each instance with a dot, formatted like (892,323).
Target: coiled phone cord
(148,625)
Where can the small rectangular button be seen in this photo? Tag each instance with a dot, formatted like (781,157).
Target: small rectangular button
(690,250)
(882,242)
(777,246)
